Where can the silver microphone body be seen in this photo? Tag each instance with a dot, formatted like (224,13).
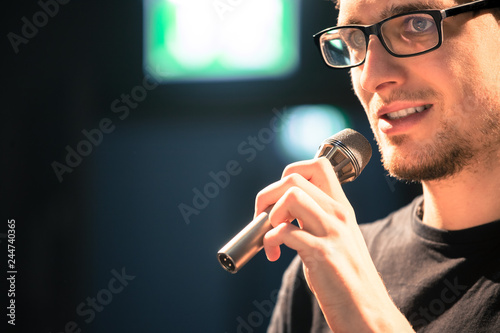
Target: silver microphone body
(348,152)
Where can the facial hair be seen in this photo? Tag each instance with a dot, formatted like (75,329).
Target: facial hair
(447,155)
(452,149)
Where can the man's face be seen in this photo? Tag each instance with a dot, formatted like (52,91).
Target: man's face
(435,114)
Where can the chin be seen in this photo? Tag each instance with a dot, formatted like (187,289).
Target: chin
(429,162)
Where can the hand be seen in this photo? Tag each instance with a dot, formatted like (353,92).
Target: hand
(337,264)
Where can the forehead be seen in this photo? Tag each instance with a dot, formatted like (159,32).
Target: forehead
(371,11)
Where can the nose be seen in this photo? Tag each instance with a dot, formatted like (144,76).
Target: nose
(380,71)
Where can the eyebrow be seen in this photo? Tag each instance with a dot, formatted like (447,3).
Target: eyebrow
(399,9)
(406,8)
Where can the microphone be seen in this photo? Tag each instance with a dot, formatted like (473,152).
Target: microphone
(348,151)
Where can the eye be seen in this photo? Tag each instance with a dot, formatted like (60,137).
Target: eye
(357,39)
(354,38)
(419,24)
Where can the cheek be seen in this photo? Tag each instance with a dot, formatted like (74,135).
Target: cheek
(459,82)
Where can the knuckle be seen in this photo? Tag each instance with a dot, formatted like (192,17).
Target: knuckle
(259,197)
(340,211)
(293,194)
(260,194)
(289,169)
(333,207)
(293,179)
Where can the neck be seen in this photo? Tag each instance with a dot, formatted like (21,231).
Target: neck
(465,200)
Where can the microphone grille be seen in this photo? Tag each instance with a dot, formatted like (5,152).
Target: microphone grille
(356,144)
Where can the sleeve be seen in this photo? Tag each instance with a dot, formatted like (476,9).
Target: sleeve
(293,312)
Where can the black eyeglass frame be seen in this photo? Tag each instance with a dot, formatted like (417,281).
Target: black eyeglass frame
(375,29)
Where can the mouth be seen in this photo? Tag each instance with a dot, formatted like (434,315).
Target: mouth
(406,112)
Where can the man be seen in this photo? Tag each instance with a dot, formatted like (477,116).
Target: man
(428,79)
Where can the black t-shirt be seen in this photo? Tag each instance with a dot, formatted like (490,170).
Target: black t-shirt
(442,281)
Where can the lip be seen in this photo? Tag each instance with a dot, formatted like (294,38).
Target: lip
(401,125)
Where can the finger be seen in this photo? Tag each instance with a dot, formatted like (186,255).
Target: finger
(287,234)
(272,193)
(272,241)
(320,173)
(298,204)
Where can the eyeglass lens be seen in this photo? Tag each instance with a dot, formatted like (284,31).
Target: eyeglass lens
(403,35)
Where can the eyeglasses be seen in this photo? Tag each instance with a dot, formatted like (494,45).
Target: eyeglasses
(403,35)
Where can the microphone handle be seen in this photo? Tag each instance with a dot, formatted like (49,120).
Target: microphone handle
(249,241)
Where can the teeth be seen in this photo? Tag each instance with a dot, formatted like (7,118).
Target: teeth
(406,112)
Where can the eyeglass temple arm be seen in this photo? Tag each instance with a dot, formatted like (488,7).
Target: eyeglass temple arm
(471,6)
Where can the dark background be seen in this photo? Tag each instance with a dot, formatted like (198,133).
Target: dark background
(117,211)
